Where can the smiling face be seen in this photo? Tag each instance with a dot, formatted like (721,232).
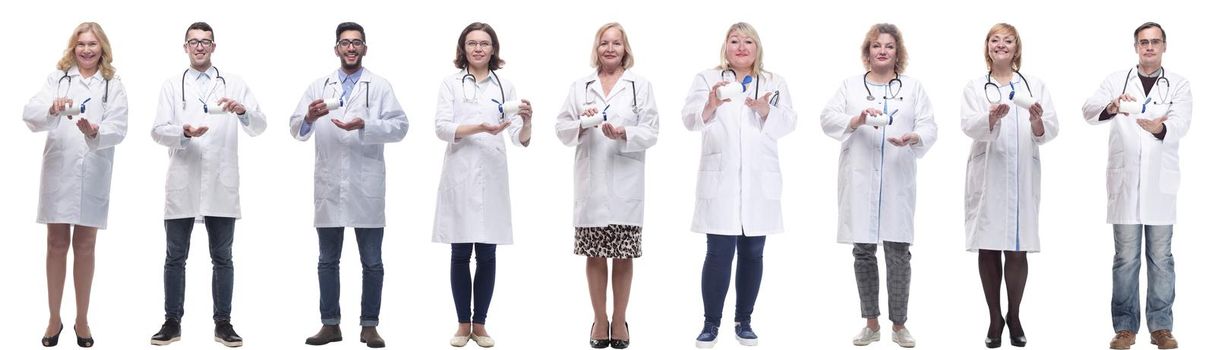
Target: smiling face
(740,50)
(351,48)
(87,51)
(611,49)
(1150,46)
(199,45)
(882,53)
(478,49)
(1002,49)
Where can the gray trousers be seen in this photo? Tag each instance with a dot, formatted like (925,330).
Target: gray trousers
(898,278)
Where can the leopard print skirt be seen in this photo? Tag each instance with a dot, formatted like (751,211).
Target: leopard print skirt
(613,242)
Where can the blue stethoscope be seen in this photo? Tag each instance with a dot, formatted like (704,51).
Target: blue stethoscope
(209,93)
(730,75)
(997,96)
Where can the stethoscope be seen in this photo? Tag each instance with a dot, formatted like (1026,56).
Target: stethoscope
(470,92)
(105,97)
(591,101)
(730,75)
(893,82)
(1168,87)
(996,98)
(337,89)
(202,99)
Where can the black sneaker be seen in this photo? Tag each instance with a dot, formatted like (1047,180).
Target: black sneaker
(224,334)
(169,333)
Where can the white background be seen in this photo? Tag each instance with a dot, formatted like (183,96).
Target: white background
(808,297)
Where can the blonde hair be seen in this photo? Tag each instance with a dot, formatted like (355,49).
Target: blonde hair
(1006,29)
(105,62)
(900,51)
(626,60)
(744,29)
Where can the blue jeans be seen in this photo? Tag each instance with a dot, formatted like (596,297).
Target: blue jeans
(464,288)
(715,275)
(177,249)
(1161,286)
(370,242)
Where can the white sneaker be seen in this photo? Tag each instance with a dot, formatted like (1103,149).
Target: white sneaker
(903,338)
(866,336)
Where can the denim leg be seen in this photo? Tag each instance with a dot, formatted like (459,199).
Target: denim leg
(371,242)
(461,280)
(177,250)
(220,233)
(715,275)
(898,279)
(750,274)
(1124,306)
(483,283)
(1162,281)
(330,239)
(864,265)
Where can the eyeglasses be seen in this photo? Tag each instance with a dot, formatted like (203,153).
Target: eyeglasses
(1152,42)
(351,43)
(474,44)
(203,43)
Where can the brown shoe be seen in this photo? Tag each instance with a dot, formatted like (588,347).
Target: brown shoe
(1123,340)
(326,335)
(372,338)
(1163,339)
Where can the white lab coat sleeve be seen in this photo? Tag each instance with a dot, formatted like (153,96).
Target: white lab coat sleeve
(1178,123)
(1050,120)
(568,126)
(925,124)
(112,128)
(698,96)
(645,134)
(1097,103)
(834,118)
(166,131)
(255,118)
(391,125)
(445,122)
(516,121)
(301,110)
(976,111)
(37,116)
(782,119)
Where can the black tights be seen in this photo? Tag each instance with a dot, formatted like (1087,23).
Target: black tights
(1015,271)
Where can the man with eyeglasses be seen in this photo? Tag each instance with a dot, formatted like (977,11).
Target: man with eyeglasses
(352,114)
(200,112)
(1149,111)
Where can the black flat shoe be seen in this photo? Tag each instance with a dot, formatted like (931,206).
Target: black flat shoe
(82,342)
(599,343)
(52,340)
(622,343)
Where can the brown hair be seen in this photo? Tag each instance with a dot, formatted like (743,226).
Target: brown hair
(495,60)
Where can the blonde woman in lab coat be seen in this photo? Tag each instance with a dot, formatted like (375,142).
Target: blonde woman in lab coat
(74,196)
(738,186)
(611,117)
(884,122)
(472,212)
(1004,174)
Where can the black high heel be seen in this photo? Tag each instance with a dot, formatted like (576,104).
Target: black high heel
(599,343)
(52,340)
(82,342)
(622,343)
(1013,338)
(993,343)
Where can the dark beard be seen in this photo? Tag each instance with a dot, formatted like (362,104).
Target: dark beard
(352,67)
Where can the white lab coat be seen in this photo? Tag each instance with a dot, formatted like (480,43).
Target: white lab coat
(1004,171)
(738,186)
(349,175)
(609,175)
(877,179)
(75,185)
(1143,173)
(203,177)
(473,203)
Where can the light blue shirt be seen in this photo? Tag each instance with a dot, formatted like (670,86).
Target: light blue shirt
(348,81)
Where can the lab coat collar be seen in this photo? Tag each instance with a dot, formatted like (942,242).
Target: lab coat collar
(597,86)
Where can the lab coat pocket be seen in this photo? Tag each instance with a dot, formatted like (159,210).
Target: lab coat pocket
(1113,182)
(628,177)
(373,185)
(706,184)
(97,176)
(771,184)
(1170,181)
(229,177)
(975,177)
(177,179)
(710,162)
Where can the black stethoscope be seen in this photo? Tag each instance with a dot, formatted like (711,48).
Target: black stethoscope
(59,87)
(468,77)
(1168,87)
(201,99)
(589,101)
(894,96)
(992,84)
(733,76)
(341,102)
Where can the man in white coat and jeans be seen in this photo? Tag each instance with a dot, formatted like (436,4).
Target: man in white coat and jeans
(360,114)
(199,114)
(1149,111)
